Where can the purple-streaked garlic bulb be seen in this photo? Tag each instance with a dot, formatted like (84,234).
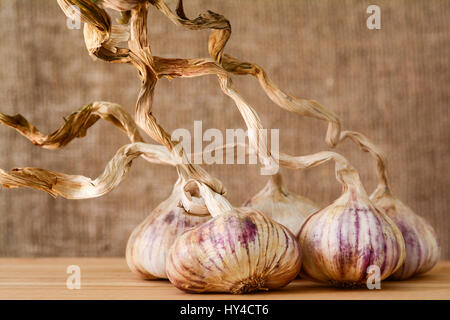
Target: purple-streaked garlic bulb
(238,251)
(340,242)
(281,205)
(421,242)
(150,242)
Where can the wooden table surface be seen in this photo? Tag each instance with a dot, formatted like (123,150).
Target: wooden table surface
(109,278)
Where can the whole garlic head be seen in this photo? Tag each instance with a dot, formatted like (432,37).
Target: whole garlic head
(239,251)
(284,207)
(421,241)
(341,241)
(150,242)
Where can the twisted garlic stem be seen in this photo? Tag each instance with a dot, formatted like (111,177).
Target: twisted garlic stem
(81,187)
(366,145)
(143,60)
(100,36)
(77,124)
(346,174)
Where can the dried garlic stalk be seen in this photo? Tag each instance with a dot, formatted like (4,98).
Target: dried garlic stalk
(80,187)
(75,125)
(100,36)
(421,241)
(142,58)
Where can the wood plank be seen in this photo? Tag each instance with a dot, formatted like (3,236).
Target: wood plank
(110,278)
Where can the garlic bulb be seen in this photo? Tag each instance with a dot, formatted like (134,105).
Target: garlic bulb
(284,207)
(150,242)
(341,241)
(421,242)
(238,251)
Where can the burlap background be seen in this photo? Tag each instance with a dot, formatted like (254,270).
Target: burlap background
(391,84)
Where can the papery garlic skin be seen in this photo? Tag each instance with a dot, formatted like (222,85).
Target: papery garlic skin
(282,206)
(421,242)
(342,240)
(150,242)
(239,251)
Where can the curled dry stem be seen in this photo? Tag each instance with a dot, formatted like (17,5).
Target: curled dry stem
(366,145)
(299,106)
(77,124)
(101,36)
(346,174)
(143,60)
(187,68)
(80,187)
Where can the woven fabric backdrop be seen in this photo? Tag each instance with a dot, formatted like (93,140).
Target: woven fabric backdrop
(390,84)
